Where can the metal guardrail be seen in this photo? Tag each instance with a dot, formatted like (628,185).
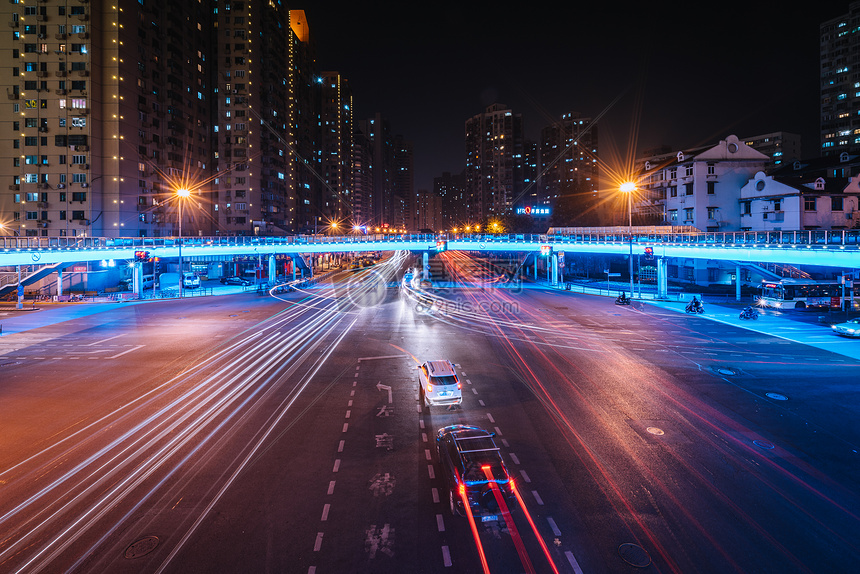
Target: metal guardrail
(843,237)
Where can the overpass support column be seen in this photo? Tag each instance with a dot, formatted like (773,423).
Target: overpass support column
(662,280)
(20,304)
(272,270)
(554,269)
(536,262)
(60,282)
(737,282)
(137,278)
(425,268)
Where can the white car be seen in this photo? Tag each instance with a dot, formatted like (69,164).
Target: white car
(190,281)
(850,328)
(438,384)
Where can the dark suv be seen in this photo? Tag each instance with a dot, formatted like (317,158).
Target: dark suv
(471,462)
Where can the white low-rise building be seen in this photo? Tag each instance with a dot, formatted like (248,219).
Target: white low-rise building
(700,187)
(796,203)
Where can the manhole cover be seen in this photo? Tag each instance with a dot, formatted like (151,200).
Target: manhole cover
(655,431)
(142,547)
(776,396)
(634,555)
(725,371)
(763,444)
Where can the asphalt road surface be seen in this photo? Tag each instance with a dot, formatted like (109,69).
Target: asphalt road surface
(250,433)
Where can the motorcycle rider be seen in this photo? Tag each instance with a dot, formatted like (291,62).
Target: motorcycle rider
(695,306)
(622,298)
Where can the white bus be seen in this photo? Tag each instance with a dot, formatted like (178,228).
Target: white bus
(805,293)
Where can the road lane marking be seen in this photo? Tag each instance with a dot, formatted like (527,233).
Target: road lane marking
(489,416)
(553,525)
(538,499)
(129,351)
(430,471)
(331,487)
(424,437)
(382,357)
(498,431)
(435,492)
(348,412)
(318,542)
(427,453)
(480,402)
(337,466)
(326,508)
(525,476)
(446,557)
(340,446)
(474,391)
(440,523)
(514,458)
(345,426)
(573,563)
(103,340)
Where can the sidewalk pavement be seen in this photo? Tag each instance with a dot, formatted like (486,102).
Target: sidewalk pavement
(775,323)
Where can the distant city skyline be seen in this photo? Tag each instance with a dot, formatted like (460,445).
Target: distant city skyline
(654,75)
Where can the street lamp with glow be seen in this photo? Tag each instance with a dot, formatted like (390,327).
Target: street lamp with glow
(628,187)
(182,194)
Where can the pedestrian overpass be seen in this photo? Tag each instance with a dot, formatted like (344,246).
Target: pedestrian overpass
(832,248)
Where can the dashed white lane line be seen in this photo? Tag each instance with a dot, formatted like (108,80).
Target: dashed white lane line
(492,420)
(573,563)
(424,437)
(326,508)
(430,471)
(348,413)
(474,391)
(427,454)
(480,402)
(446,557)
(538,499)
(345,427)
(440,523)
(435,493)
(340,446)
(318,542)
(553,525)
(331,487)
(498,431)
(337,466)
(514,458)
(525,476)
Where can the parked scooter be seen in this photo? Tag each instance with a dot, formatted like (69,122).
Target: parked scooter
(694,306)
(749,313)
(622,299)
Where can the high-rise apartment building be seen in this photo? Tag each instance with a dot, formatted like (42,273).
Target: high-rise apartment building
(839,77)
(568,159)
(780,147)
(494,162)
(113,106)
(453,205)
(107,113)
(336,143)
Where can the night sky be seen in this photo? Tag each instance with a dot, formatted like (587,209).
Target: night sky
(663,73)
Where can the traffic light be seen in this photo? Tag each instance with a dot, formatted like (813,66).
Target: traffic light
(649,254)
(141,255)
(441,245)
(545,250)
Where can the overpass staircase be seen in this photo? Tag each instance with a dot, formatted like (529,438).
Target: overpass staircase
(9,281)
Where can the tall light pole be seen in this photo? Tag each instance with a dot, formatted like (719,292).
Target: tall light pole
(181,193)
(628,188)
